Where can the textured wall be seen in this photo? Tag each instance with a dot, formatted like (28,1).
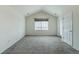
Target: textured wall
(11,27)
(52,26)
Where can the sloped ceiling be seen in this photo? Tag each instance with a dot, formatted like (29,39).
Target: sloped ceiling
(55,10)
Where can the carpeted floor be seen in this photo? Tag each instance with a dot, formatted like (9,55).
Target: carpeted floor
(41,45)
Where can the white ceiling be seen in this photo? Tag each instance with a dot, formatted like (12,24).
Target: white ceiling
(56,10)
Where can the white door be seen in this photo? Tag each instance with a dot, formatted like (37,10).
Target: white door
(67,28)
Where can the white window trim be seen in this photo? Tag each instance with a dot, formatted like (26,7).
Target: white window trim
(42,26)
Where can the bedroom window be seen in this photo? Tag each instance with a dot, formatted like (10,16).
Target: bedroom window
(41,24)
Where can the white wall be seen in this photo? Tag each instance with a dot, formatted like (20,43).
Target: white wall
(52,30)
(59,26)
(75,11)
(11,27)
(76,28)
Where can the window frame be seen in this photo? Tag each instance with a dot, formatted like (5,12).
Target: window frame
(42,23)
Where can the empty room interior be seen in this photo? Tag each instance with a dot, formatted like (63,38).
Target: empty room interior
(39,29)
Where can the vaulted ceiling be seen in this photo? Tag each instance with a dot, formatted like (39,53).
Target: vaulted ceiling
(55,10)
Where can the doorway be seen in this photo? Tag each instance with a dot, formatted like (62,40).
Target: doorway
(67,28)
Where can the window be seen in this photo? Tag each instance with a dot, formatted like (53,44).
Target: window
(41,24)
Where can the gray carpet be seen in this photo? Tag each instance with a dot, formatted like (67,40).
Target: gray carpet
(41,45)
